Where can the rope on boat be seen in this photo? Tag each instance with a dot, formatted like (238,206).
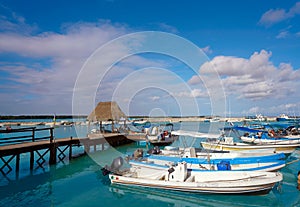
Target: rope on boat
(291,162)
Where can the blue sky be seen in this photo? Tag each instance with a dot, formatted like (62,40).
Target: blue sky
(254,47)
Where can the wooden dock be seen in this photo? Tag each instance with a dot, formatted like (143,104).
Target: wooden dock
(12,146)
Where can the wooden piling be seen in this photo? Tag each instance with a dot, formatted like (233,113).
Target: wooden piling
(17,166)
(52,158)
(31,160)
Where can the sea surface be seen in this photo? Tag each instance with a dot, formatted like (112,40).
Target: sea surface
(80,182)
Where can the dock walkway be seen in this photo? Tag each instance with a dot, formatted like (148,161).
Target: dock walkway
(11,147)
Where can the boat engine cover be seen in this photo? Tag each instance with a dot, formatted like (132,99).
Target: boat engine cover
(224,165)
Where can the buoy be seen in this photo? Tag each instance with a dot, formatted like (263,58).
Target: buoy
(298,177)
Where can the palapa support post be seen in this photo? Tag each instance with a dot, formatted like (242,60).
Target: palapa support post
(101,127)
(112,126)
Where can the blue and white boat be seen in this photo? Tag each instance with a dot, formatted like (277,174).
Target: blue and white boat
(216,161)
(263,138)
(234,164)
(286,118)
(258,136)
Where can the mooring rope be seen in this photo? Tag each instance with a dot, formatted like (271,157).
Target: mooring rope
(291,162)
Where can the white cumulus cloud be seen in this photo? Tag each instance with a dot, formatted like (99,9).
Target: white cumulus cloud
(274,16)
(255,78)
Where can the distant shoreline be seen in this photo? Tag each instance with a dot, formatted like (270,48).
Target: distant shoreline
(167,118)
(33,120)
(17,117)
(12,117)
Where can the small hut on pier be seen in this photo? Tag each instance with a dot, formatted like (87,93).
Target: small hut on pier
(106,111)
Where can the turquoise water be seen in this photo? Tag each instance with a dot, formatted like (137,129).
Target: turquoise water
(79,182)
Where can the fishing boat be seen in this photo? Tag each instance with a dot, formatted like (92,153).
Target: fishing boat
(158,134)
(161,135)
(212,119)
(180,178)
(286,118)
(144,123)
(268,135)
(221,142)
(229,145)
(212,161)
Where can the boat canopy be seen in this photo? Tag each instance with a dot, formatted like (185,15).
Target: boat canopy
(247,129)
(196,134)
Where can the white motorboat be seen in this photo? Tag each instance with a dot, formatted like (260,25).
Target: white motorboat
(179,178)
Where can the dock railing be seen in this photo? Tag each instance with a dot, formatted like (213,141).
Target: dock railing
(41,146)
(28,134)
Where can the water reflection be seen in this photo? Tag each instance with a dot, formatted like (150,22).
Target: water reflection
(173,198)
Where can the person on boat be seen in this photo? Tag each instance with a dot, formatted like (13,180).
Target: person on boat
(259,135)
(271,133)
(166,133)
(162,136)
(294,131)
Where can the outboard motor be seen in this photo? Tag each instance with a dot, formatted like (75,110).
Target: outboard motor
(115,166)
(155,150)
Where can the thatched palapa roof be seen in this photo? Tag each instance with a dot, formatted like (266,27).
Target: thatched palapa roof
(106,111)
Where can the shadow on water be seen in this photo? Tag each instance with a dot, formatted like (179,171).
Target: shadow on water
(55,173)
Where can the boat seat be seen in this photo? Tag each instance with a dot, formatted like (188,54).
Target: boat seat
(189,152)
(190,179)
(193,152)
(154,131)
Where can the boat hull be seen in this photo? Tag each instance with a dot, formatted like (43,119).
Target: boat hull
(274,141)
(136,136)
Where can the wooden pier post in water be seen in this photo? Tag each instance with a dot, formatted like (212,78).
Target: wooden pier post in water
(31,160)
(17,166)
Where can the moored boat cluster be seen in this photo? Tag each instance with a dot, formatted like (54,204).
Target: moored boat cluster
(218,166)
